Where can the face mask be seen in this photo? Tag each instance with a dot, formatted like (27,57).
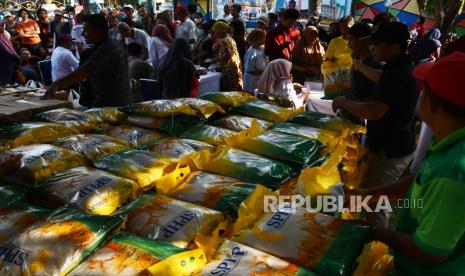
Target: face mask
(197,20)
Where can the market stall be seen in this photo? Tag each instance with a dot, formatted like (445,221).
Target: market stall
(84,193)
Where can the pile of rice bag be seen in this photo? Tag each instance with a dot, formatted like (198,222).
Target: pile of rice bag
(319,242)
(245,166)
(239,123)
(266,111)
(326,137)
(176,147)
(144,167)
(221,193)
(228,99)
(125,254)
(337,76)
(134,135)
(286,147)
(90,190)
(160,108)
(31,133)
(160,218)
(108,115)
(233,258)
(204,108)
(16,218)
(10,194)
(92,146)
(206,133)
(328,122)
(39,162)
(55,246)
(169,124)
(74,119)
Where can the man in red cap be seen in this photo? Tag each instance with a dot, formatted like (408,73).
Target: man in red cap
(430,235)
(63,60)
(186,28)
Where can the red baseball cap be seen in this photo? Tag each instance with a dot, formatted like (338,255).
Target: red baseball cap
(445,77)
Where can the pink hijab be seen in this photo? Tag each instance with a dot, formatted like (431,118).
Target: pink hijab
(275,71)
(5,43)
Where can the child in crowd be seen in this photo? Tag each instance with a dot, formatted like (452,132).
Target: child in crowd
(255,60)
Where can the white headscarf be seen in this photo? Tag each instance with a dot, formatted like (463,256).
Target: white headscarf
(275,72)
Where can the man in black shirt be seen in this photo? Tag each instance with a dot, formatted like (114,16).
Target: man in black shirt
(391,110)
(363,87)
(104,69)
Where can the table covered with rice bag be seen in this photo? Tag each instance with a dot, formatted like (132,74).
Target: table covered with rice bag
(160,218)
(90,190)
(55,246)
(40,161)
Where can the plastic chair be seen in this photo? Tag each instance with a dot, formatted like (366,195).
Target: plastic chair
(45,70)
(150,89)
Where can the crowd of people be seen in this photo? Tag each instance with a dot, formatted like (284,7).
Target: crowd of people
(102,53)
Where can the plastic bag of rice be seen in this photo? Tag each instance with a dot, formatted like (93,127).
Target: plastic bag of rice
(17,217)
(10,194)
(168,124)
(39,162)
(236,259)
(160,218)
(176,147)
(144,167)
(92,146)
(266,111)
(90,190)
(206,133)
(110,115)
(74,119)
(55,246)
(203,107)
(31,133)
(239,123)
(228,99)
(125,254)
(134,135)
(160,108)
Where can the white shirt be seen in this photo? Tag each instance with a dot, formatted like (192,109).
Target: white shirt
(286,89)
(187,30)
(76,34)
(63,63)
(157,52)
(254,60)
(225,17)
(140,37)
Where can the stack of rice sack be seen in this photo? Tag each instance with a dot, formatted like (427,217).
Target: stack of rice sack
(98,208)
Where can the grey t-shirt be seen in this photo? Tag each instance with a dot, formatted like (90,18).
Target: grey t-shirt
(108,85)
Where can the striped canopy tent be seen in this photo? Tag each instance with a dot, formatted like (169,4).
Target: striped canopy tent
(407,11)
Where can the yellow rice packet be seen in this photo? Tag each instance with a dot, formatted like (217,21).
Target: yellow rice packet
(134,135)
(204,107)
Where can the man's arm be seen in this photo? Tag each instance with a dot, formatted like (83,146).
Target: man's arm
(371,73)
(73,78)
(404,243)
(372,110)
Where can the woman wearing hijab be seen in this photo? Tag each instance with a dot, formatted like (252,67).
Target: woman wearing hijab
(159,45)
(203,46)
(277,81)
(8,56)
(307,56)
(177,73)
(428,46)
(227,58)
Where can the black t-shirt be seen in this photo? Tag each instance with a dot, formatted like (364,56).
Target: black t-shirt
(362,87)
(394,132)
